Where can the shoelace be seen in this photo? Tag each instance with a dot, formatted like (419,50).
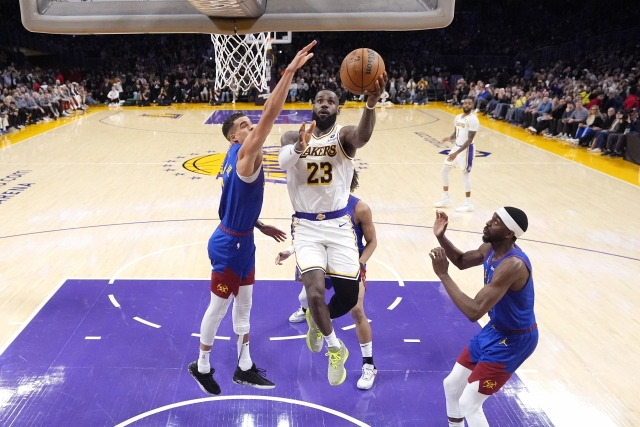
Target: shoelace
(367,373)
(261,372)
(319,335)
(334,358)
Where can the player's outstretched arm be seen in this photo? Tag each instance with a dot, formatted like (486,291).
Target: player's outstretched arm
(252,146)
(510,272)
(462,260)
(354,137)
(365,217)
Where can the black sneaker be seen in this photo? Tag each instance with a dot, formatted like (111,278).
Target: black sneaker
(205,381)
(254,377)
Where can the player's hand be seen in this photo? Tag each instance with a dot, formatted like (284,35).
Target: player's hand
(452,156)
(272,231)
(282,256)
(304,136)
(439,261)
(375,94)
(302,57)
(440,225)
(446,139)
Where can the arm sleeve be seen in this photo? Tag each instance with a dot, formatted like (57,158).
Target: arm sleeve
(287,157)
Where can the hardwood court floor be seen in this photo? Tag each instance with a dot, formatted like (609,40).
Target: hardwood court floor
(106,195)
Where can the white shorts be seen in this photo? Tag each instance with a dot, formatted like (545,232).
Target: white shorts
(328,245)
(464,160)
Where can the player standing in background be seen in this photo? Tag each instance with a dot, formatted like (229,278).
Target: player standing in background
(231,247)
(461,155)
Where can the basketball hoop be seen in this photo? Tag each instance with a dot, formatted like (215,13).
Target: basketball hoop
(241,61)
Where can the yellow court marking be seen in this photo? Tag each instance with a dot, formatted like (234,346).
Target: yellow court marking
(617,168)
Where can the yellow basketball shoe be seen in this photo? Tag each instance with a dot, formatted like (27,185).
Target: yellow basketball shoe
(314,335)
(337,358)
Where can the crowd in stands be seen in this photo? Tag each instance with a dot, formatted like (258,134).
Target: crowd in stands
(589,99)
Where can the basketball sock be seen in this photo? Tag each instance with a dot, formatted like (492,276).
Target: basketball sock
(203,362)
(367,349)
(244,356)
(332,340)
(456,424)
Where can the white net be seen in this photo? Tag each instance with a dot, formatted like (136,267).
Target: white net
(241,61)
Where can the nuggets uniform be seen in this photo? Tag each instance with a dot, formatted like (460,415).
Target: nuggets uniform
(509,338)
(322,229)
(351,206)
(231,247)
(464,161)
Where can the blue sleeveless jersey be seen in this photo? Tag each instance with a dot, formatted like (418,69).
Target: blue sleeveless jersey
(351,207)
(240,202)
(514,311)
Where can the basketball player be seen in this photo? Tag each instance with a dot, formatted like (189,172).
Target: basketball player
(461,155)
(362,223)
(231,247)
(511,335)
(319,167)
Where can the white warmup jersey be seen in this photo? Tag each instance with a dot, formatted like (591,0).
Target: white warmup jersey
(321,179)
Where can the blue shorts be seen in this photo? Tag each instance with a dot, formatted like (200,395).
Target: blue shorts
(233,261)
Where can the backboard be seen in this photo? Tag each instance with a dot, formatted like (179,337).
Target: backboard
(231,16)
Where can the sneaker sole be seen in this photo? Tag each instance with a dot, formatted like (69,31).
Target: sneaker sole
(296,320)
(258,386)
(344,374)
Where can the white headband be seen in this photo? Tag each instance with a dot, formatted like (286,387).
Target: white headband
(509,222)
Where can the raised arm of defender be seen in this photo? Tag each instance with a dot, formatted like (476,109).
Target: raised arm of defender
(462,260)
(250,155)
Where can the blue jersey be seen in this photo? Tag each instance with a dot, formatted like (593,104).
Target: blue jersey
(240,202)
(514,311)
(351,207)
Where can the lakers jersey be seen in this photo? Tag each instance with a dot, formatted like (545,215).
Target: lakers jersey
(464,124)
(320,181)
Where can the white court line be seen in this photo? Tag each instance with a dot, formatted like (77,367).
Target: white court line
(411,340)
(395,273)
(292,337)
(30,318)
(346,328)
(395,303)
(113,301)
(113,278)
(216,337)
(243,397)
(92,338)
(146,322)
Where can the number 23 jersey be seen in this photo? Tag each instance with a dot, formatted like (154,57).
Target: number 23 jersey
(321,179)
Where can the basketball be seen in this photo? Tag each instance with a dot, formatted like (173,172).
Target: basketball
(360,69)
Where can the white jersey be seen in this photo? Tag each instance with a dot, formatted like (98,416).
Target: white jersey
(321,179)
(463,126)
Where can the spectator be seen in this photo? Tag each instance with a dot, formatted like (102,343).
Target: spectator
(587,129)
(617,142)
(113,97)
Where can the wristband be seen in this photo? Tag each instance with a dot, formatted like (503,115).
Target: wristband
(370,108)
(290,249)
(296,151)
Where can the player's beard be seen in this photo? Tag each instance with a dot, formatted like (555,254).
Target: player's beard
(326,123)
(467,110)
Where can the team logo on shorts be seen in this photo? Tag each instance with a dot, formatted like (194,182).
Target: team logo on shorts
(222,288)
(504,341)
(320,217)
(490,384)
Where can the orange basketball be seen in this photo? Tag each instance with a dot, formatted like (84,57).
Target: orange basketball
(360,70)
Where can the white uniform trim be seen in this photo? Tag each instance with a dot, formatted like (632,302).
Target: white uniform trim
(252,178)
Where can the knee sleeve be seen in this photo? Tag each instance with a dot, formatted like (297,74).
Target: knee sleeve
(454,385)
(471,406)
(466,179)
(212,317)
(345,297)
(444,174)
(304,303)
(242,310)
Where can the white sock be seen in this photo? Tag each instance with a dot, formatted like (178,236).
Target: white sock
(203,362)
(445,195)
(456,424)
(367,349)
(244,356)
(468,201)
(332,340)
